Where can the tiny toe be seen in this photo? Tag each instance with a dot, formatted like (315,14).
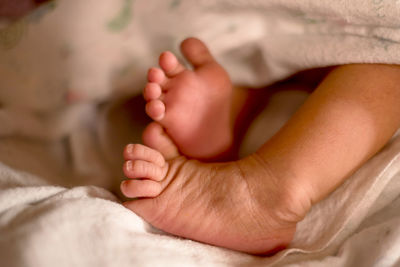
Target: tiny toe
(141,152)
(140,188)
(144,169)
(196,52)
(155,109)
(156,75)
(155,137)
(170,64)
(152,91)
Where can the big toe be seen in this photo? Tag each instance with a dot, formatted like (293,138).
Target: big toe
(196,52)
(155,137)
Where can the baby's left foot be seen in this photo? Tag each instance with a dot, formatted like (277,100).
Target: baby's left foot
(237,205)
(194,106)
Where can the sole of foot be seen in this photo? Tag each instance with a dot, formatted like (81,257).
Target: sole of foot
(193,105)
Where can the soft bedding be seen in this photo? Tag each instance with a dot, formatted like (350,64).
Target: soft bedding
(64,71)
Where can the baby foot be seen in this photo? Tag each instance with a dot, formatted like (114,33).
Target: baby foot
(192,105)
(237,205)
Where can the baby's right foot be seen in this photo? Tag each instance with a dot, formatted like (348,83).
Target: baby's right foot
(194,106)
(239,205)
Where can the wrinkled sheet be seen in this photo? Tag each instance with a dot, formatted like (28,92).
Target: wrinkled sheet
(64,70)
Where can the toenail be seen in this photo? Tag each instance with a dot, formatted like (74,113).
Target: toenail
(129,149)
(129,165)
(124,187)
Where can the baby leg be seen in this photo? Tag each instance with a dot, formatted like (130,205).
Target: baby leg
(253,204)
(346,120)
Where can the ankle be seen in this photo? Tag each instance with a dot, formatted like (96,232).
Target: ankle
(280,192)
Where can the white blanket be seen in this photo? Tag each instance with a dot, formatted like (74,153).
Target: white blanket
(60,152)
